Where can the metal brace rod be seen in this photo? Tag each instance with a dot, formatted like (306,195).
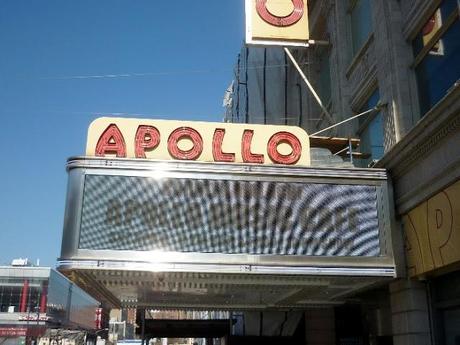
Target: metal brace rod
(319,42)
(349,119)
(342,150)
(350,147)
(305,79)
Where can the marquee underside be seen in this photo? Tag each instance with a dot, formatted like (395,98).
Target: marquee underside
(222,291)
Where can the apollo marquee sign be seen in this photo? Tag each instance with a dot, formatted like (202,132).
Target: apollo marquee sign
(217,197)
(198,141)
(236,214)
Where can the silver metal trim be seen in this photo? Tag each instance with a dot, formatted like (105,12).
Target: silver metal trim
(233,259)
(229,176)
(232,168)
(382,199)
(213,268)
(74,202)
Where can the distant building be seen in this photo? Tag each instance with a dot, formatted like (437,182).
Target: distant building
(36,299)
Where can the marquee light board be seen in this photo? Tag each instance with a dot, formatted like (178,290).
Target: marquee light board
(227,216)
(277,22)
(198,141)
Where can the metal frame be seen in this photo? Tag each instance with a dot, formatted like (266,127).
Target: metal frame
(74,258)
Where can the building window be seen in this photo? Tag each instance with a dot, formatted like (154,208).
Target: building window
(445,299)
(437,54)
(361,23)
(371,131)
(11,295)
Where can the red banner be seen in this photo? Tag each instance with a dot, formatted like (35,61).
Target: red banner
(98,318)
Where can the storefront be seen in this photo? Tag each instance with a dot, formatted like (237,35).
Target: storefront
(425,168)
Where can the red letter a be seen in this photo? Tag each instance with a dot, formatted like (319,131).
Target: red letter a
(110,142)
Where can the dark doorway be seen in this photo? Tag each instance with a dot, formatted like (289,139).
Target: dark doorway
(349,325)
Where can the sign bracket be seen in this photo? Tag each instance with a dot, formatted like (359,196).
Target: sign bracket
(319,42)
(309,85)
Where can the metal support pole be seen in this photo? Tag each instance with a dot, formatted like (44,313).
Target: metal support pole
(350,148)
(143,327)
(349,119)
(310,87)
(319,42)
(342,150)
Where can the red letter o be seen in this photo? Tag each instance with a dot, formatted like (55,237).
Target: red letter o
(181,133)
(266,15)
(287,138)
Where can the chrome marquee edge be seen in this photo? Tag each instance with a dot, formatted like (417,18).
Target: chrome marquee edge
(222,268)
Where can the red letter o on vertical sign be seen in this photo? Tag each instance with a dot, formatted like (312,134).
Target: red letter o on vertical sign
(287,138)
(111,141)
(182,133)
(147,137)
(292,18)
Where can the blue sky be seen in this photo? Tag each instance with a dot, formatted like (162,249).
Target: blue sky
(179,55)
